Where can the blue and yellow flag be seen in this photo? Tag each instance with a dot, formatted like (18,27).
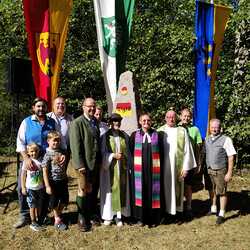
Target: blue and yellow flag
(210,24)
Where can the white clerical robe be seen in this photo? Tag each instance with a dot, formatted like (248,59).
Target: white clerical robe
(169,165)
(105,186)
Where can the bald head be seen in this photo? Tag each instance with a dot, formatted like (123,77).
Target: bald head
(170,118)
(89,107)
(215,126)
(59,106)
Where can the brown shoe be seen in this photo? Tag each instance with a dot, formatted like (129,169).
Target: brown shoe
(83,226)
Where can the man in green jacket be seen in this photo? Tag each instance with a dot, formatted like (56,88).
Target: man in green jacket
(84,144)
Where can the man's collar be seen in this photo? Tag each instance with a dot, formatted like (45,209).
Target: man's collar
(185,125)
(86,117)
(213,137)
(34,118)
(58,116)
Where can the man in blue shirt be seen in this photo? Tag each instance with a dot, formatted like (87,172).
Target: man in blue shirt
(34,128)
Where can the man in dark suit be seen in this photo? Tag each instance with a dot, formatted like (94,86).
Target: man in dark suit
(84,144)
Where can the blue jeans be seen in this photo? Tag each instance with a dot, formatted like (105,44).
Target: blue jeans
(24,208)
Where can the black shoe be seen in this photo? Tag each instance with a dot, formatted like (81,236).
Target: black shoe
(179,218)
(209,213)
(168,219)
(152,225)
(188,215)
(96,221)
(220,220)
(140,224)
(83,226)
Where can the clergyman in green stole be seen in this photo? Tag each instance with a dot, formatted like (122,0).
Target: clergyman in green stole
(178,159)
(114,184)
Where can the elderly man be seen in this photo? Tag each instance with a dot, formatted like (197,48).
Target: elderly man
(193,180)
(219,160)
(34,128)
(146,173)
(85,148)
(178,158)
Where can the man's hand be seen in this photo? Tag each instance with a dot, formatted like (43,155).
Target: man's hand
(82,170)
(197,169)
(118,156)
(228,177)
(28,163)
(24,191)
(183,174)
(62,160)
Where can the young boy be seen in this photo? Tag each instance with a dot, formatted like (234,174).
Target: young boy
(55,177)
(32,185)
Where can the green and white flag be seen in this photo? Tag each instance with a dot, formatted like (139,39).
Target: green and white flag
(113,24)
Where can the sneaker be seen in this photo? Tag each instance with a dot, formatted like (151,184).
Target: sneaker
(220,220)
(118,222)
(107,222)
(35,227)
(21,222)
(60,226)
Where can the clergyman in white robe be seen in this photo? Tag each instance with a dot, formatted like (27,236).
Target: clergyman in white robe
(170,137)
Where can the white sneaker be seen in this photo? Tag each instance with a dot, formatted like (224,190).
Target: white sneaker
(35,227)
(119,222)
(107,222)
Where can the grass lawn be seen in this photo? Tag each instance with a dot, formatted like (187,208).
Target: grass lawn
(201,233)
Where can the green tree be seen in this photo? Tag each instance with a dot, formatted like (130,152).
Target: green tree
(160,55)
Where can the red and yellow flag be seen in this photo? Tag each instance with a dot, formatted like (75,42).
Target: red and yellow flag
(47,26)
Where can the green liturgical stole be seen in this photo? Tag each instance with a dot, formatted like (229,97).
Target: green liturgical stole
(118,174)
(179,157)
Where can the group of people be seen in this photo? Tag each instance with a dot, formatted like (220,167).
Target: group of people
(143,177)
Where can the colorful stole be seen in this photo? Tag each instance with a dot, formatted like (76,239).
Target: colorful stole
(179,157)
(155,169)
(118,177)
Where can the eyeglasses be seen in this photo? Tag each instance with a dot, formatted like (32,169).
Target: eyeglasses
(89,106)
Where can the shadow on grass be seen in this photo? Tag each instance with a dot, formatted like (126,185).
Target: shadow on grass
(237,201)
(8,196)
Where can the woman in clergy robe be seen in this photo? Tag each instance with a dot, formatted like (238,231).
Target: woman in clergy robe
(114,174)
(145,176)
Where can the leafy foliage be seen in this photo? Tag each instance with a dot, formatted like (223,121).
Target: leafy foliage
(160,55)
